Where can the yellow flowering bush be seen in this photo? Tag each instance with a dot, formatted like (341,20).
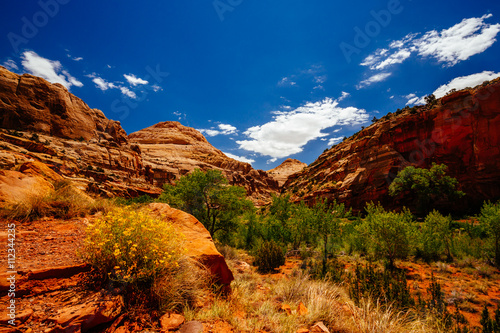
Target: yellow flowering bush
(131,246)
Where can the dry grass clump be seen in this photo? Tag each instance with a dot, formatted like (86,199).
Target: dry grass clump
(256,305)
(63,201)
(184,287)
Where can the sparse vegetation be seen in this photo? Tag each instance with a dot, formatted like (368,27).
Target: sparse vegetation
(63,200)
(348,288)
(431,100)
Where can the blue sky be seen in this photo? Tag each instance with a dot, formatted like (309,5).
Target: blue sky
(262,80)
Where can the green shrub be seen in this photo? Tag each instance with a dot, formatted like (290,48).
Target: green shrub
(388,233)
(436,236)
(269,257)
(490,219)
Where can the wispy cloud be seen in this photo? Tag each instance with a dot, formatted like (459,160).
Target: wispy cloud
(10,65)
(104,84)
(286,82)
(101,83)
(314,74)
(127,92)
(133,80)
(290,131)
(239,158)
(334,141)
(373,79)
(457,83)
(50,70)
(221,129)
(448,46)
(343,96)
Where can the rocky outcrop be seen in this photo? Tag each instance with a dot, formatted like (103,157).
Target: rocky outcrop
(43,121)
(170,150)
(461,131)
(285,170)
(199,243)
(31,103)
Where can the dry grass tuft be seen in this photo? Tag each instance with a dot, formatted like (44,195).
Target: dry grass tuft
(63,201)
(255,305)
(186,287)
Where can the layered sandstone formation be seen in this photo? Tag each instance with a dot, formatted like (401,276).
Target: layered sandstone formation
(462,131)
(32,104)
(170,150)
(44,122)
(285,170)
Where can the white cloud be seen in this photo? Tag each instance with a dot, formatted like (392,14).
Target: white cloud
(286,82)
(222,129)
(289,132)
(373,79)
(465,81)
(334,141)
(133,80)
(10,65)
(458,84)
(415,100)
(240,158)
(448,46)
(344,96)
(320,79)
(127,92)
(102,83)
(50,70)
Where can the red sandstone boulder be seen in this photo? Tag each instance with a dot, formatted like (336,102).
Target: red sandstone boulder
(199,243)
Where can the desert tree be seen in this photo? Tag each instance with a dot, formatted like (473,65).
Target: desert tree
(208,196)
(425,185)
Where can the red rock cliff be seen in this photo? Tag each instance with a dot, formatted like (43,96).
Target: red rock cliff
(31,103)
(461,131)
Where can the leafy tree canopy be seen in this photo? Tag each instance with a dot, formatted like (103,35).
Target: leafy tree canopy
(426,184)
(208,197)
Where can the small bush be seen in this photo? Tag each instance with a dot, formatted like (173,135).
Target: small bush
(436,236)
(35,137)
(269,257)
(131,246)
